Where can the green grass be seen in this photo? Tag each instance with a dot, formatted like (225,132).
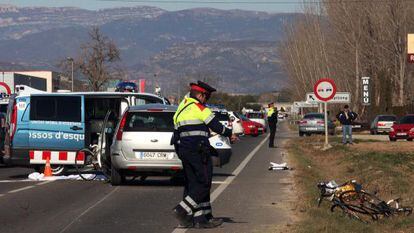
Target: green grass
(390,173)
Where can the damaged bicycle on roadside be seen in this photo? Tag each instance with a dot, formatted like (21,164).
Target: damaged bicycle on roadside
(359,204)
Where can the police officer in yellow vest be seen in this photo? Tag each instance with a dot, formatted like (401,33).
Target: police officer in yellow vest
(272,121)
(193,122)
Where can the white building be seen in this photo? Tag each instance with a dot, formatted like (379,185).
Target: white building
(48,81)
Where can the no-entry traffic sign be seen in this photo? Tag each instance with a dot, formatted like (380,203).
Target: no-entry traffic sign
(325,89)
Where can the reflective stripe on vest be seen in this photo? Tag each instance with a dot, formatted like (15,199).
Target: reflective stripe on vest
(189,122)
(194,133)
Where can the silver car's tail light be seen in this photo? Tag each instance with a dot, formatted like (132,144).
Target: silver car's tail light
(121,127)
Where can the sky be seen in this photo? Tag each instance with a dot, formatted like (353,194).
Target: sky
(171,5)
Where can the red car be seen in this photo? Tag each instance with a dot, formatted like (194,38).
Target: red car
(403,129)
(250,127)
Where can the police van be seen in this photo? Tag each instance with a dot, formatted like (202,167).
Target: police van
(56,125)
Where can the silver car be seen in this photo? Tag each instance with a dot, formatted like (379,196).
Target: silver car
(141,145)
(314,123)
(382,124)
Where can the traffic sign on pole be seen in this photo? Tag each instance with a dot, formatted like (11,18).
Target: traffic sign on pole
(325,90)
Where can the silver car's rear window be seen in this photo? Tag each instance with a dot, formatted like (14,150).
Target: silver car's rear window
(314,116)
(150,121)
(387,118)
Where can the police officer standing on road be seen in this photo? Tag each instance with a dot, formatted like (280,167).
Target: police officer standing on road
(272,121)
(193,121)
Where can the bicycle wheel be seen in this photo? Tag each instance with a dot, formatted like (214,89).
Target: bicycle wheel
(88,169)
(363,203)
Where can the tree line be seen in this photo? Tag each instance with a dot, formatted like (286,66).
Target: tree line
(346,40)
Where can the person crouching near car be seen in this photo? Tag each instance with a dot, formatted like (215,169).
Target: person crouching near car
(346,118)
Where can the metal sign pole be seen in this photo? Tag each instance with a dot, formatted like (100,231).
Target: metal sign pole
(326,125)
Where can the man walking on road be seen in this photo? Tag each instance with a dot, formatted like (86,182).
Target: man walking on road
(193,121)
(346,118)
(272,121)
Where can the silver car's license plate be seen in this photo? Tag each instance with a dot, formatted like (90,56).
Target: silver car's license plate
(154,155)
(311,129)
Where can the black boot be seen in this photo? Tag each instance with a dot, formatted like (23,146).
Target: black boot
(185,220)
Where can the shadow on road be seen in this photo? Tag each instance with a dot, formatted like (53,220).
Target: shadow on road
(230,220)
(222,174)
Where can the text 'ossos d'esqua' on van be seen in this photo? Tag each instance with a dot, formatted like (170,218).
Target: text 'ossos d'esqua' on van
(57,135)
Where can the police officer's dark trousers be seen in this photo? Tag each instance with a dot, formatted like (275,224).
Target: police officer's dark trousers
(198,172)
(272,128)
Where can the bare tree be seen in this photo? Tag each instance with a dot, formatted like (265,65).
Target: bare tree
(346,40)
(98,59)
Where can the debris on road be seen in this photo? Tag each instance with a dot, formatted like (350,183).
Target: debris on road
(41,177)
(276,166)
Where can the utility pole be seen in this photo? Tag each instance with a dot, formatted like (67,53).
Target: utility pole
(70,59)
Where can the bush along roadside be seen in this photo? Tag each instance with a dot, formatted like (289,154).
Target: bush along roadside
(390,173)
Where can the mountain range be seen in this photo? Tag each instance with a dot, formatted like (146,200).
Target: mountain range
(239,47)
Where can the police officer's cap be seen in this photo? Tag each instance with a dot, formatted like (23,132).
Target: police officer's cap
(202,87)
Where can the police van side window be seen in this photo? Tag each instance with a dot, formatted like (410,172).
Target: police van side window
(55,108)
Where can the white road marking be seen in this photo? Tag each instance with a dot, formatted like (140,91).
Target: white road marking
(88,209)
(21,189)
(218,182)
(25,188)
(17,181)
(229,179)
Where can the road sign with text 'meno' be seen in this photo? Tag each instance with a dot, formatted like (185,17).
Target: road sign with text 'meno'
(339,98)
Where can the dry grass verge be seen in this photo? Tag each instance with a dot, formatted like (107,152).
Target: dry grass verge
(386,167)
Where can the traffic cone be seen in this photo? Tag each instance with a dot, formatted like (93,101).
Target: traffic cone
(48,169)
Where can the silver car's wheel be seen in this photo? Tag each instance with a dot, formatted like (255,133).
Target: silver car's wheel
(116,176)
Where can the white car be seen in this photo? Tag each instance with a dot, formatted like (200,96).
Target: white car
(237,123)
(258,117)
(141,146)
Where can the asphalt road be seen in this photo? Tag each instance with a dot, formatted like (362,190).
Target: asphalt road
(245,193)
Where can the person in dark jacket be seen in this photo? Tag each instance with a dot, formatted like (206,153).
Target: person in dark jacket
(193,122)
(272,121)
(346,118)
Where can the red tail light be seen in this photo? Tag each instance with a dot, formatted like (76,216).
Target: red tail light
(121,127)
(302,122)
(13,121)
(320,122)
(380,124)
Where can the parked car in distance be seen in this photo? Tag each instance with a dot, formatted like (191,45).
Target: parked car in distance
(403,129)
(314,123)
(224,118)
(258,117)
(250,127)
(382,124)
(237,123)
